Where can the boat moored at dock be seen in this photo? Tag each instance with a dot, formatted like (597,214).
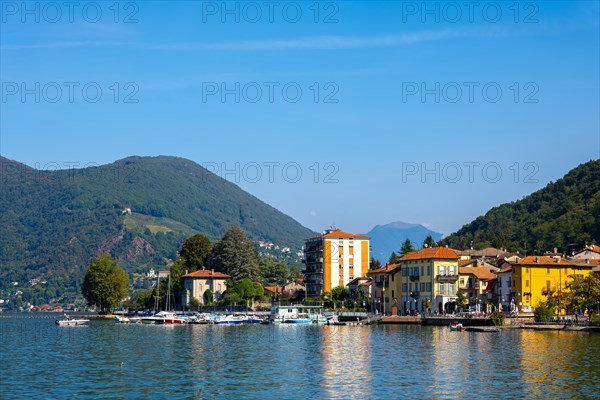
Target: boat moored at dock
(297,314)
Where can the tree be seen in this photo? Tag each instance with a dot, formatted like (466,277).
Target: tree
(340,293)
(105,283)
(429,242)
(461,300)
(374,264)
(194,251)
(177,271)
(194,302)
(584,292)
(295,272)
(274,272)
(394,259)
(208,296)
(543,313)
(235,255)
(407,247)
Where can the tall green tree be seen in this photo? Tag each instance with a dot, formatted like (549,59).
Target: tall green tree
(208,296)
(105,283)
(295,272)
(243,290)
(461,300)
(407,247)
(582,293)
(394,258)
(340,293)
(194,251)
(274,272)
(177,271)
(374,264)
(429,242)
(235,255)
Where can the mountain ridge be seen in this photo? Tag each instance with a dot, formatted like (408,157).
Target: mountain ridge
(564,214)
(389,238)
(55,221)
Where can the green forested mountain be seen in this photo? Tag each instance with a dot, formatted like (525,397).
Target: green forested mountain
(53,223)
(564,214)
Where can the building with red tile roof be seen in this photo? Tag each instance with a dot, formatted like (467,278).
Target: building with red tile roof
(334,258)
(195,285)
(537,277)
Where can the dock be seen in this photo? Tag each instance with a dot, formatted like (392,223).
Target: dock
(400,320)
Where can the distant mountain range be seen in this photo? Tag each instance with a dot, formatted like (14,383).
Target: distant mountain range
(140,209)
(565,214)
(388,238)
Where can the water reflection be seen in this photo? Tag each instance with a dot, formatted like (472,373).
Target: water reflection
(105,360)
(346,361)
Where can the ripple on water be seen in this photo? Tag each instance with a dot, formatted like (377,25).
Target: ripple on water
(105,360)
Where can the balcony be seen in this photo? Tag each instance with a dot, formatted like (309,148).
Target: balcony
(447,278)
(414,278)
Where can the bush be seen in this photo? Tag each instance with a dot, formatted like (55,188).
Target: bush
(497,318)
(543,313)
(595,318)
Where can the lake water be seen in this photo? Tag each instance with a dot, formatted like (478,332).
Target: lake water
(44,361)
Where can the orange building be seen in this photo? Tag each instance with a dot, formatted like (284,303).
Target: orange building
(334,258)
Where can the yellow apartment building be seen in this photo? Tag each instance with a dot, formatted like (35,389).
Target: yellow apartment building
(334,258)
(429,280)
(536,277)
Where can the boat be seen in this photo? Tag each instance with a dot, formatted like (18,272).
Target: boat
(121,319)
(253,319)
(229,320)
(68,321)
(297,314)
(456,326)
(164,318)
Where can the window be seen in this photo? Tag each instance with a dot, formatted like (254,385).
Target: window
(429,270)
(527,283)
(451,270)
(440,270)
(393,295)
(422,287)
(548,285)
(404,287)
(526,269)
(351,277)
(392,277)
(548,270)
(422,270)
(429,286)
(410,287)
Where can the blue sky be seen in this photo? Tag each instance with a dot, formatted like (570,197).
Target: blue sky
(368,94)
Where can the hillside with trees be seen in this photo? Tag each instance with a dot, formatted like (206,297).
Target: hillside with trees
(139,210)
(565,214)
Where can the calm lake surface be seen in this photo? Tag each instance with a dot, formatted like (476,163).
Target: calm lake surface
(45,361)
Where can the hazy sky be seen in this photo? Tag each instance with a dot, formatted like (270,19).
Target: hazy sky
(337,113)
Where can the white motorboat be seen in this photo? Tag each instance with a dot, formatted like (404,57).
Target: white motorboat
(68,321)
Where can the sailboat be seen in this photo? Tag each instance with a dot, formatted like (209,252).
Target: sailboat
(164,317)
